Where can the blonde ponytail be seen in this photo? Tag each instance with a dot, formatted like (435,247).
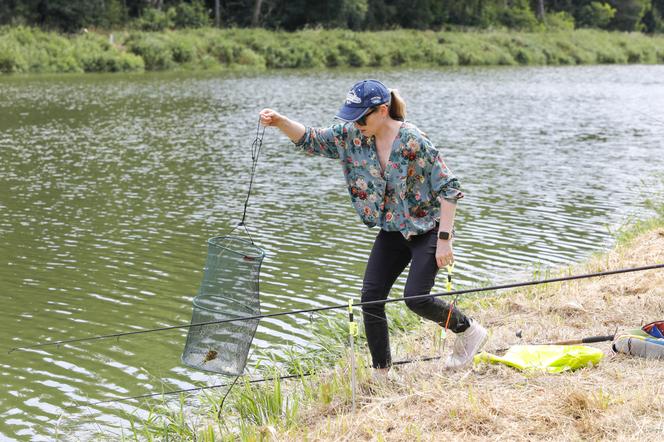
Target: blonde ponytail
(397,106)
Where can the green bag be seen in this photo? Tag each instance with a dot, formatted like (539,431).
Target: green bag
(549,358)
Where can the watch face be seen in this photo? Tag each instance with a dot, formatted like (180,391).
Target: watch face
(443,235)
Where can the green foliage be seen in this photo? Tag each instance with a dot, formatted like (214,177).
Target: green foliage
(155,20)
(164,421)
(260,405)
(596,15)
(292,15)
(629,14)
(114,14)
(24,49)
(559,21)
(518,17)
(11,58)
(154,49)
(93,53)
(651,21)
(191,15)
(488,50)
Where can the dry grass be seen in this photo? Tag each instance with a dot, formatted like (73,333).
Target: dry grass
(620,399)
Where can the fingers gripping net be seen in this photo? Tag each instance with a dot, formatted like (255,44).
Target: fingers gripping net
(229,290)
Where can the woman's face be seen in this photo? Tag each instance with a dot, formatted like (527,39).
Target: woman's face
(372,120)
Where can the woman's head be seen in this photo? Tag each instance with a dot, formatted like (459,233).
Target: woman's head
(369,97)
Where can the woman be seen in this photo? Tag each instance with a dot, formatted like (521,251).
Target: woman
(397,181)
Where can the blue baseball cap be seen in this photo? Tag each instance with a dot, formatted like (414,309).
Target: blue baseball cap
(363,96)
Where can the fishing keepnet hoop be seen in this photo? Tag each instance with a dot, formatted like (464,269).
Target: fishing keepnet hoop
(229,290)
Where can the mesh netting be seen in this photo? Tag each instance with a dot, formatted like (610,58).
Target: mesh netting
(229,290)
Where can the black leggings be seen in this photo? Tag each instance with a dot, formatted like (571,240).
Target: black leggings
(390,255)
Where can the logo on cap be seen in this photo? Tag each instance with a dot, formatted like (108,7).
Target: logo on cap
(352,98)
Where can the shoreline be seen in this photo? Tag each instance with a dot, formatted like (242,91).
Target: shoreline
(26,50)
(425,402)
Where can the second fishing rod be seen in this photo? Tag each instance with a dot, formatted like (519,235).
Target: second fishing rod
(343,306)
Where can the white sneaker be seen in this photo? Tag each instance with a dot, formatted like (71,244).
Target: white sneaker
(385,377)
(467,345)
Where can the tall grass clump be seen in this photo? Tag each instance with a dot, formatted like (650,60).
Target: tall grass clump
(266,404)
(169,420)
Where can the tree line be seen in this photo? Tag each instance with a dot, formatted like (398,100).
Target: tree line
(290,15)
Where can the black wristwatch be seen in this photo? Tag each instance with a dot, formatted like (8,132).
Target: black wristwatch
(444,235)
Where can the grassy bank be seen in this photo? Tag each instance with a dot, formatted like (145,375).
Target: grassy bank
(620,399)
(29,50)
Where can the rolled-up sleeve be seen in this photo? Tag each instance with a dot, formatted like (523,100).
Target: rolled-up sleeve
(326,142)
(443,183)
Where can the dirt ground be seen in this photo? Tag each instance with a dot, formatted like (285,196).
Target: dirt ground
(622,398)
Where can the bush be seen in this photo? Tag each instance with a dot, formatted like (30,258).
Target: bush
(518,18)
(22,35)
(155,20)
(93,53)
(559,21)
(637,52)
(110,62)
(182,50)
(224,50)
(596,15)
(524,51)
(247,57)
(489,49)
(130,62)
(553,53)
(66,62)
(443,56)
(156,53)
(11,59)
(191,15)
(629,14)
(32,50)
(352,54)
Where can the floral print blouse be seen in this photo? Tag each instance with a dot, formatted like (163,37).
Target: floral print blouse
(403,197)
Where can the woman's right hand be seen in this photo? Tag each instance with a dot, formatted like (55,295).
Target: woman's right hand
(292,129)
(270,117)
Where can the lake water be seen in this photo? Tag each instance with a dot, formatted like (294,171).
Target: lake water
(111,185)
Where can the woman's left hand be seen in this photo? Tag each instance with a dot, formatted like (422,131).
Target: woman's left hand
(444,253)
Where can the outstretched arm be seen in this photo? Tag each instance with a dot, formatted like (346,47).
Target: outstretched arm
(325,142)
(292,129)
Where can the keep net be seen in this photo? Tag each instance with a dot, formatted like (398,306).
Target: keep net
(229,290)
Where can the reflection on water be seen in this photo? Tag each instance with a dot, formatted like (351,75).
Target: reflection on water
(111,185)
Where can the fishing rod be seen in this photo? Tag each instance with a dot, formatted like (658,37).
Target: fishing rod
(209,387)
(586,340)
(343,306)
(575,341)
